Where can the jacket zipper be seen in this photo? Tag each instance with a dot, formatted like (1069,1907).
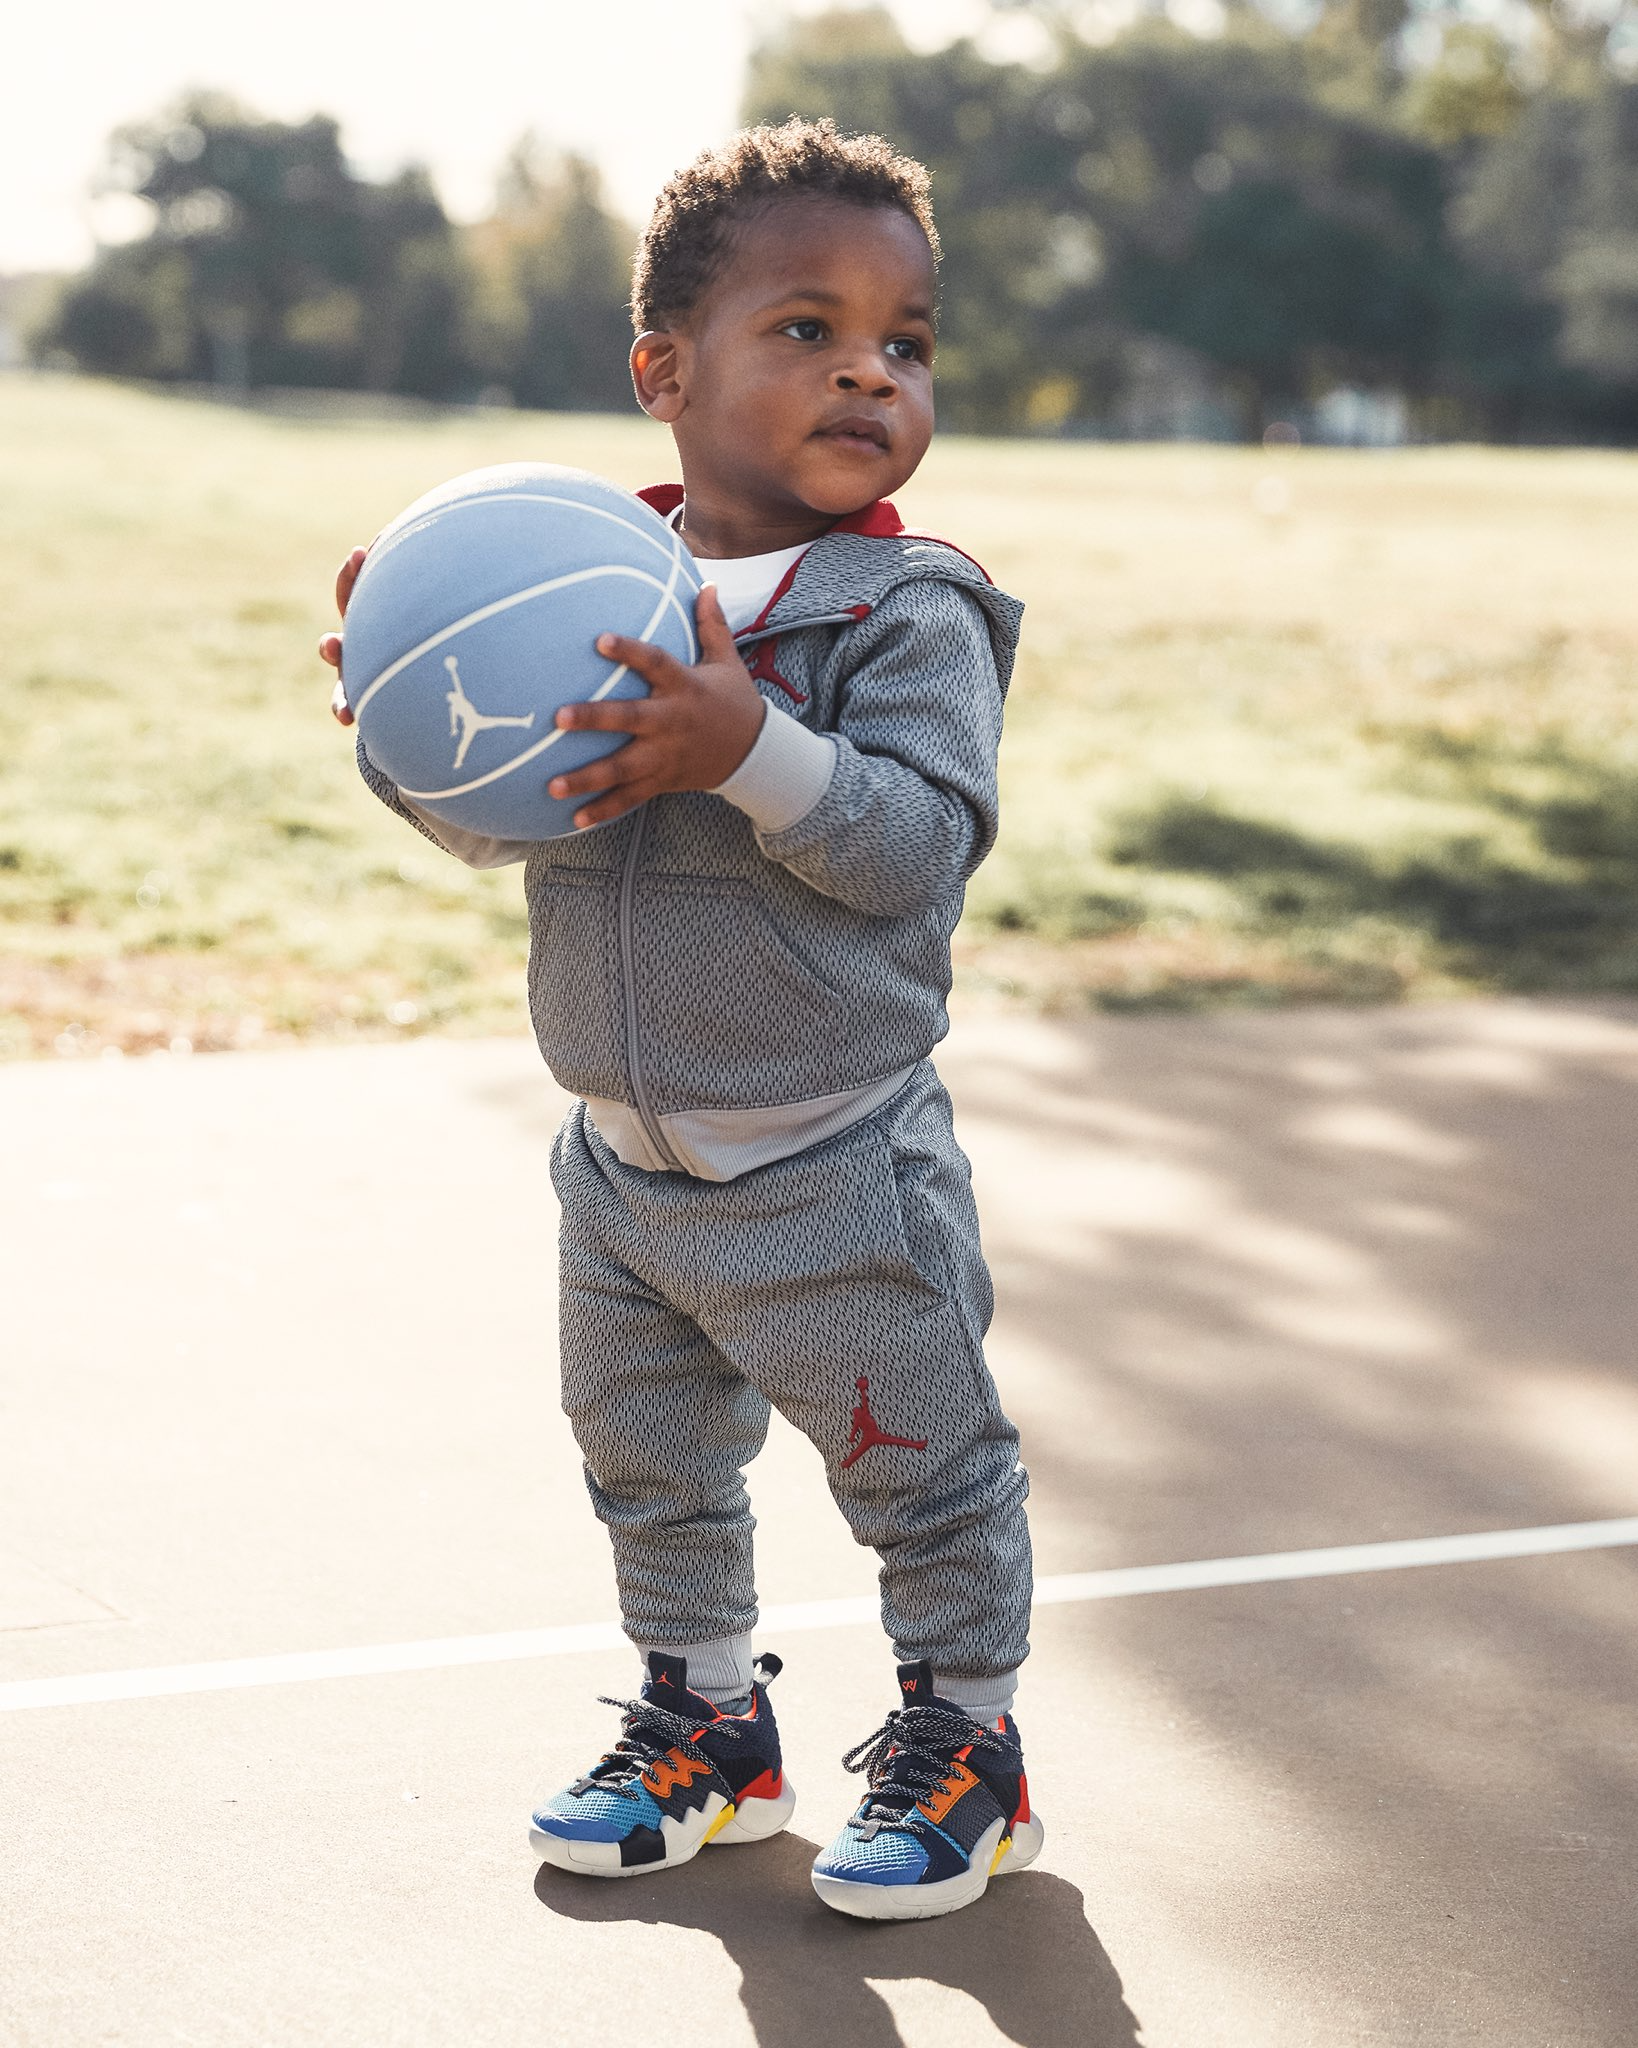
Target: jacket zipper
(851,617)
(759,646)
(628,936)
(628,978)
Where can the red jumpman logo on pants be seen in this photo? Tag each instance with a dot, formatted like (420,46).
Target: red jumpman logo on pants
(867,1432)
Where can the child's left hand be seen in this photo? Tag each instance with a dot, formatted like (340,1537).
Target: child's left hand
(330,646)
(691,732)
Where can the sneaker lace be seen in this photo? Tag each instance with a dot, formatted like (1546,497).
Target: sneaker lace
(908,1757)
(647,1733)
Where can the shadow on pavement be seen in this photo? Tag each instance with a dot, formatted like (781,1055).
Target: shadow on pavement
(1264,1283)
(807,1975)
(1324,1278)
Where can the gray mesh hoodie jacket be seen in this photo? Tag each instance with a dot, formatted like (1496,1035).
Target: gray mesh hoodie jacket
(725,983)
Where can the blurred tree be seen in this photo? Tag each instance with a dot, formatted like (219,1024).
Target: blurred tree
(1382,196)
(1548,222)
(128,317)
(1412,197)
(269,261)
(851,63)
(414,292)
(1470,93)
(1011,254)
(1197,190)
(1291,244)
(1596,281)
(1523,190)
(552,323)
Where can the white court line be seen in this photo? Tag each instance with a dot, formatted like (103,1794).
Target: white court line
(231,1674)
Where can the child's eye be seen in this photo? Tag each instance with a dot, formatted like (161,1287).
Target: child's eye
(804,330)
(906,348)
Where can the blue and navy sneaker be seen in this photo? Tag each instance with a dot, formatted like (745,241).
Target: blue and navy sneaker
(682,1774)
(948,1808)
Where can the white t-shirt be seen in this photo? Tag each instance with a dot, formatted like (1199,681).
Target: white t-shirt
(788,768)
(744,582)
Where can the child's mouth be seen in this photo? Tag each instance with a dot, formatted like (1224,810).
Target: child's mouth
(867,435)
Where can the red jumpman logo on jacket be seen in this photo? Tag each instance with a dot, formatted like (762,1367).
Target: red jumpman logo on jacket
(867,1432)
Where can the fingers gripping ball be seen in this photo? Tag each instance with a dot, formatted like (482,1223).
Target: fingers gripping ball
(474,620)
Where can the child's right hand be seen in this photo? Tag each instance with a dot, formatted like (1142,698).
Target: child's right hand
(329,646)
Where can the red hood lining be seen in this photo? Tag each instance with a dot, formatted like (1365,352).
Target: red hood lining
(879,521)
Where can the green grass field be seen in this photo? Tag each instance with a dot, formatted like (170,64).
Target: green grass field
(1314,725)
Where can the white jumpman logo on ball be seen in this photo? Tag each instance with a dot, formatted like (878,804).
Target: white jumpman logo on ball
(464,715)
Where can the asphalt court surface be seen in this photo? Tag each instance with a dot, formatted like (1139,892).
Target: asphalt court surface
(278,1378)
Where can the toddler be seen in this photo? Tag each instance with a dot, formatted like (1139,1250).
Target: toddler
(741,976)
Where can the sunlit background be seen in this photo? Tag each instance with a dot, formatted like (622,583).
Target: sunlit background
(637,88)
(1327,697)
(1365,220)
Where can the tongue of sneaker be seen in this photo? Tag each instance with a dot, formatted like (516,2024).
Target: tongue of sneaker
(916,1690)
(891,1798)
(916,1684)
(667,1686)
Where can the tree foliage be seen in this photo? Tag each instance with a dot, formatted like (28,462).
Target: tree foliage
(554,268)
(1141,229)
(269,260)
(1290,211)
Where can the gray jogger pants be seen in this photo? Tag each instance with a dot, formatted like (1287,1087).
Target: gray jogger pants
(844,1285)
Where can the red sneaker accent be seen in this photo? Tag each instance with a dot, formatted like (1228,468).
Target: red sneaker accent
(768,1786)
(1023,1801)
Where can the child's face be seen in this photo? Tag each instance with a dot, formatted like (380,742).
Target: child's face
(804,380)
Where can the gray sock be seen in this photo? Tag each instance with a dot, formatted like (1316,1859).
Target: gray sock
(986,1699)
(719,1670)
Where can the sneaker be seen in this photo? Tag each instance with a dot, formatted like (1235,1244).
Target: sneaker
(947,1809)
(682,1774)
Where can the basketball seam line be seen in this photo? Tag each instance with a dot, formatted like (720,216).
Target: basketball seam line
(444,511)
(674,554)
(667,597)
(490,611)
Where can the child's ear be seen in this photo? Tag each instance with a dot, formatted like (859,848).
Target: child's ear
(656,375)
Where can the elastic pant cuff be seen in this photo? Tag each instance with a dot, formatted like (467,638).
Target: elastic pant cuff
(986,1699)
(719,1670)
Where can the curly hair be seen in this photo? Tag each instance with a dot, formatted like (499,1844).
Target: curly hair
(691,233)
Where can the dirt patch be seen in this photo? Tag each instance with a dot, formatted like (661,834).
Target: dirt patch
(164,1002)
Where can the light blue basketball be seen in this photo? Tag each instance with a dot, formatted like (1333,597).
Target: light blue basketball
(475,619)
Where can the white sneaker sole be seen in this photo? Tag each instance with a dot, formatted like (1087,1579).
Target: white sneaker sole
(715,1822)
(993,1856)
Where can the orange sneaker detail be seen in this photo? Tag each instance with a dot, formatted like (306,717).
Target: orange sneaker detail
(672,1771)
(938,1804)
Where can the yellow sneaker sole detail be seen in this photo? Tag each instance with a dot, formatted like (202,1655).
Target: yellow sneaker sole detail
(718,1824)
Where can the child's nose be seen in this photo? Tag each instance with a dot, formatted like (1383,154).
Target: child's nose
(871,379)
